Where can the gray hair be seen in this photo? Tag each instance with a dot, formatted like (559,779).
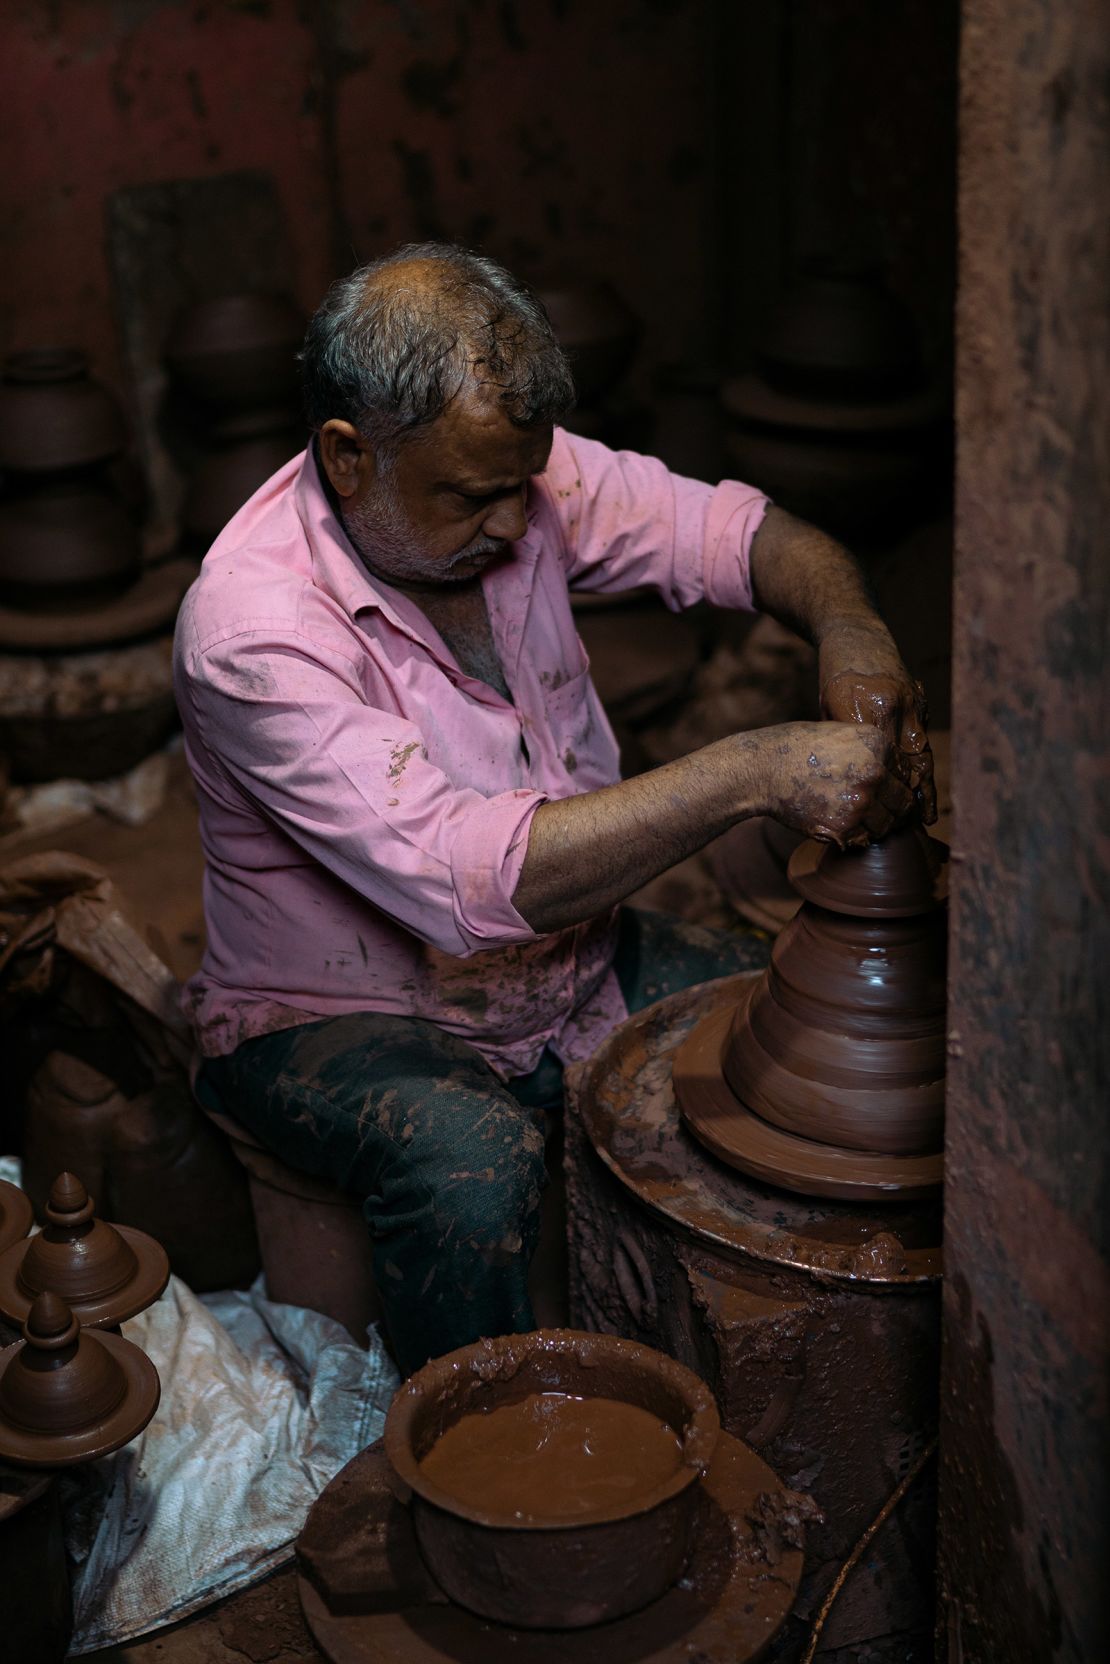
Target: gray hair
(388,356)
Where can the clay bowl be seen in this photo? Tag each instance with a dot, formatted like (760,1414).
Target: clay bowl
(552,1573)
(238,351)
(52,415)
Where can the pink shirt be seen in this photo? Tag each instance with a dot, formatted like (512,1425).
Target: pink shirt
(365,805)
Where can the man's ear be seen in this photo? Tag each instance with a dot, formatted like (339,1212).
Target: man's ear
(347,458)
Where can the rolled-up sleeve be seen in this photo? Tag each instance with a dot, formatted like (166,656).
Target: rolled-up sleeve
(288,725)
(626,520)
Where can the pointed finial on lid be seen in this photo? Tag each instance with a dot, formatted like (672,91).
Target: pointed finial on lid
(50,1324)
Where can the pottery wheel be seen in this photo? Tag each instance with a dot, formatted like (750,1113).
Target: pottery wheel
(745,1140)
(367,1597)
(624,1098)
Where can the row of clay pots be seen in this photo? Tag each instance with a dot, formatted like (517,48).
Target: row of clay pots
(66,531)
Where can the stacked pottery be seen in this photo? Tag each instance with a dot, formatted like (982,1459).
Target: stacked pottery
(234,360)
(828,1077)
(835,421)
(66,533)
(72,1390)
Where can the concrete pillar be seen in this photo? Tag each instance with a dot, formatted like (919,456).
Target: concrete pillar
(1025,1538)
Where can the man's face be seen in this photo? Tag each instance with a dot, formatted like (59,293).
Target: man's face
(452,499)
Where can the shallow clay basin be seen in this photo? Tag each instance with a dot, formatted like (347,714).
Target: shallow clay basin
(539,1573)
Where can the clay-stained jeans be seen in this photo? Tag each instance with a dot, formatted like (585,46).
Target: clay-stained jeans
(448,1159)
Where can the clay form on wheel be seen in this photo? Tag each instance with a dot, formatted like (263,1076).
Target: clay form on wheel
(830,1076)
(105,1273)
(68,1394)
(16,1214)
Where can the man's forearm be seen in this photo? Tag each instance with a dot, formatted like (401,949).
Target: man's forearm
(587,853)
(807,580)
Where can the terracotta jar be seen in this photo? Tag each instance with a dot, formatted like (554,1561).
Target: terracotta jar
(69,1394)
(835,421)
(235,359)
(66,535)
(226,477)
(552,1573)
(238,352)
(53,416)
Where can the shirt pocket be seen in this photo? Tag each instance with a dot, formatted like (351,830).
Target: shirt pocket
(584,749)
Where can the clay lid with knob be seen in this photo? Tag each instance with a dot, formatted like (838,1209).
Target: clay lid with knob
(105,1273)
(16,1214)
(68,1394)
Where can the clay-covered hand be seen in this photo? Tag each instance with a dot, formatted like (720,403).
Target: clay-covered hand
(864,680)
(831,780)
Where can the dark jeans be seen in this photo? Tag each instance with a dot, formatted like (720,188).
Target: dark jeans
(448,1159)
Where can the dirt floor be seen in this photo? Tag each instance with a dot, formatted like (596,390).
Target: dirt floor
(262,1624)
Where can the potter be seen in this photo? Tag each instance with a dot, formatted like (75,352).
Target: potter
(417,837)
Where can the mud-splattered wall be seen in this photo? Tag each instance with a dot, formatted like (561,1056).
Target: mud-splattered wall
(1025,1434)
(548,131)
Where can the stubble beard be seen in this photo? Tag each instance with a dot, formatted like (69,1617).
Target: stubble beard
(390,549)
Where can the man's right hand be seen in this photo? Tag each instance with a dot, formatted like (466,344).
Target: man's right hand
(831,781)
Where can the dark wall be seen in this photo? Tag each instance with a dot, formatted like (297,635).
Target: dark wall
(551,131)
(1025,1435)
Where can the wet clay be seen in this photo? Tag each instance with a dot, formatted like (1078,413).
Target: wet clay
(105,1273)
(831,1077)
(555,1455)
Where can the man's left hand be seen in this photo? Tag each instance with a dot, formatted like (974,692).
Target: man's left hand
(863,679)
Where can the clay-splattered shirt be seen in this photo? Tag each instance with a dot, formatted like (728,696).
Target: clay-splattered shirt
(365,805)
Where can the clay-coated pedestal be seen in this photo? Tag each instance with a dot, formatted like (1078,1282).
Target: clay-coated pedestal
(815,1321)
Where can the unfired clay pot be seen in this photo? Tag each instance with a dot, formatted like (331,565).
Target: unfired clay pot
(16,1214)
(843,334)
(558,1573)
(53,416)
(64,540)
(105,1273)
(840,1046)
(238,351)
(229,475)
(69,1394)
